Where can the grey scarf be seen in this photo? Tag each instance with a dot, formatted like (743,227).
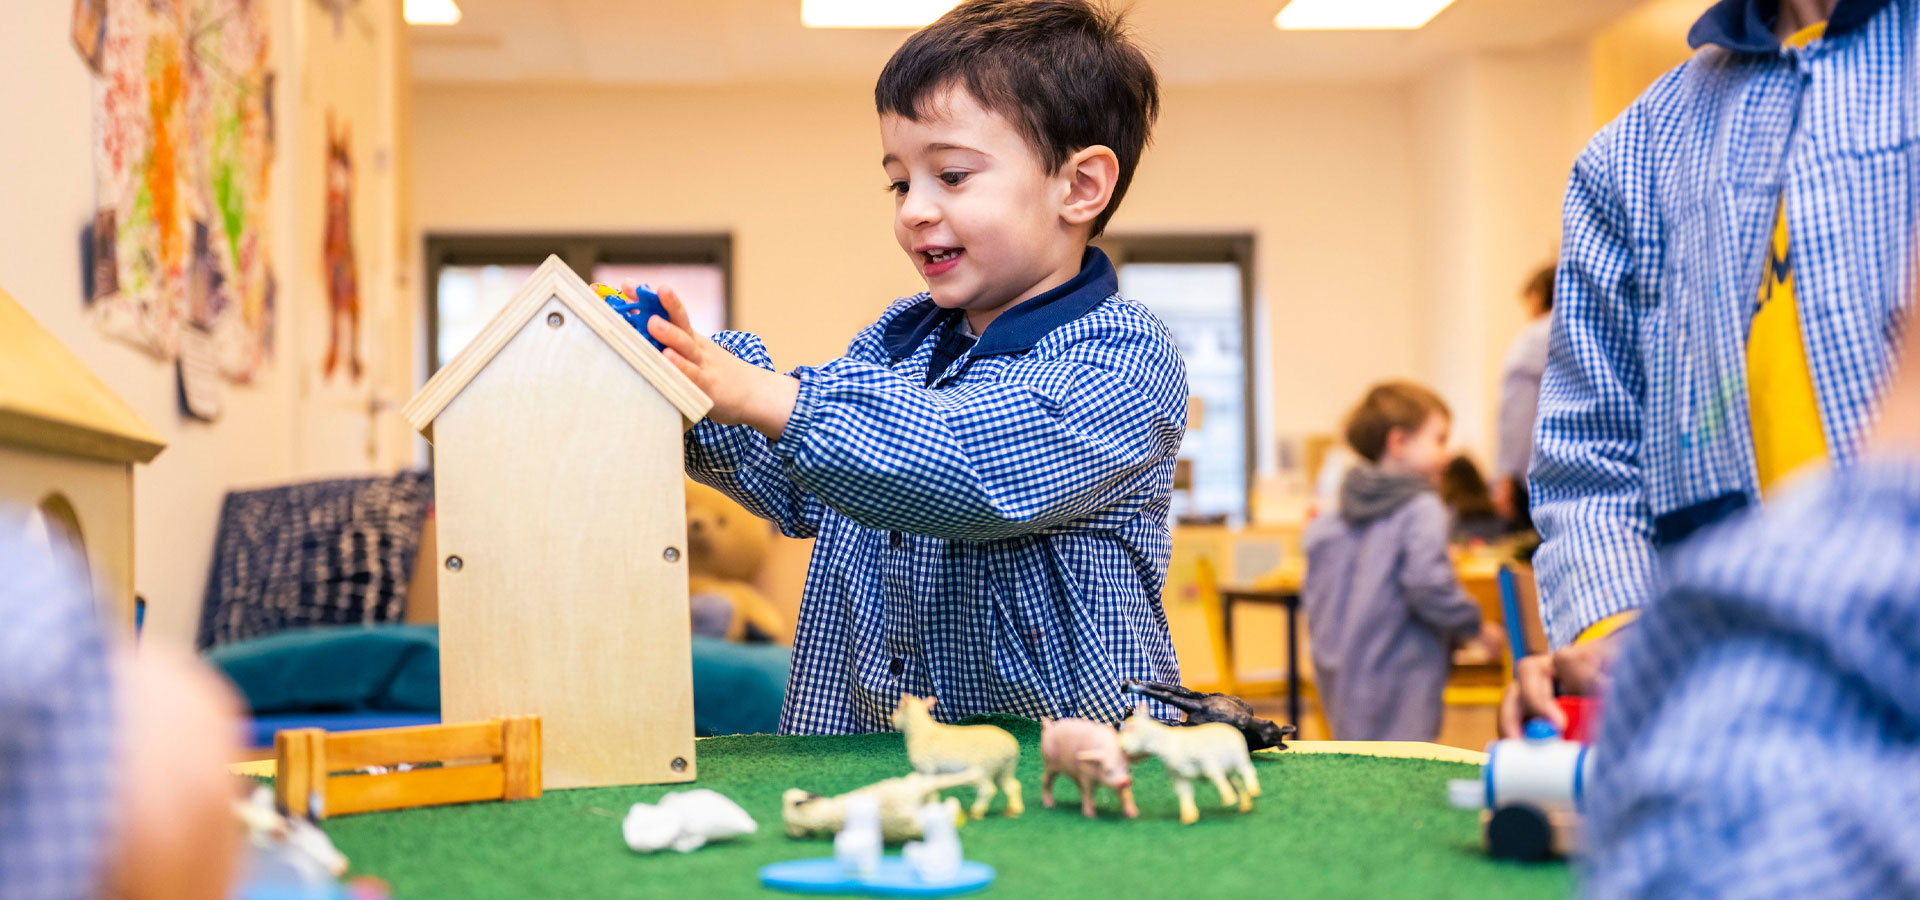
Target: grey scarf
(1370,492)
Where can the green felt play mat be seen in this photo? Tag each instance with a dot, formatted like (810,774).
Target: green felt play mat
(1328,825)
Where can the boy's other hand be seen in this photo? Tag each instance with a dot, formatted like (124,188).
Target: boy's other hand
(1492,639)
(1580,670)
(742,393)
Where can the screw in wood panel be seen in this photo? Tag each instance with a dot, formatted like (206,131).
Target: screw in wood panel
(679,764)
(672,554)
(555,320)
(454,563)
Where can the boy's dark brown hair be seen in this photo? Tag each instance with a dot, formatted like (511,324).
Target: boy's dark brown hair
(1541,285)
(1064,72)
(1389,405)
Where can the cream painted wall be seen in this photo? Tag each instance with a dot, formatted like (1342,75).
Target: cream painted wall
(1636,49)
(1496,136)
(1320,175)
(46,192)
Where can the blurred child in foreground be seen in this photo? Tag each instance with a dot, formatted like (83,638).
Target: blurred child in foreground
(1763,722)
(113,774)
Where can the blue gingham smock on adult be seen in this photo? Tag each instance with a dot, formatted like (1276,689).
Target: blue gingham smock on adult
(1643,429)
(1762,730)
(993,534)
(56,731)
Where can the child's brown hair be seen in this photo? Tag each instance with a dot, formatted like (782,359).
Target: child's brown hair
(1386,406)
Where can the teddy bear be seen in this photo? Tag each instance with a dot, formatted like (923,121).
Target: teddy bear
(726,546)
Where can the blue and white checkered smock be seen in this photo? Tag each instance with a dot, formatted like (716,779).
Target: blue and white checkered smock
(1761,734)
(995,535)
(1643,431)
(56,731)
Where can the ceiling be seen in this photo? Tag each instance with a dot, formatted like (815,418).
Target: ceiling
(725,41)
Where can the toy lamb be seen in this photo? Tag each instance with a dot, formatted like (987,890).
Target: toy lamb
(990,753)
(1213,751)
(937,858)
(810,815)
(685,821)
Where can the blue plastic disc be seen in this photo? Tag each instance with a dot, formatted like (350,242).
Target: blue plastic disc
(893,878)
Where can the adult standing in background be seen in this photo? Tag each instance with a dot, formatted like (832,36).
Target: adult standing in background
(1519,400)
(1735,263)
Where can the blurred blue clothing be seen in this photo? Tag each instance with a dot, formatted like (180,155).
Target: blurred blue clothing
(56,730)
(991,516)
(1385,607)
(1643,432)
(1762,734)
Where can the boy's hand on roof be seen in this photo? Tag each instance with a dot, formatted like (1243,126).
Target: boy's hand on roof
(742,393)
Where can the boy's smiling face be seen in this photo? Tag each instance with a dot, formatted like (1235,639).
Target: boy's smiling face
(983,221)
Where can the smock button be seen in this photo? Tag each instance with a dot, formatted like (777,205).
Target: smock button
(897,666)
(894,538)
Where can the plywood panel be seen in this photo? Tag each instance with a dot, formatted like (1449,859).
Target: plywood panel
(558,486)
(102,497)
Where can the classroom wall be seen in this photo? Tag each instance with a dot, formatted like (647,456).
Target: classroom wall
(46,191)
(1634,50)
(1318,174)
(1495,137)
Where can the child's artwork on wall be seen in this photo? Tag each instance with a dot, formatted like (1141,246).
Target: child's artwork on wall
(183,153)
(343,281)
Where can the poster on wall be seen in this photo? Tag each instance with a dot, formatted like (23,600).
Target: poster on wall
(346,201)
(183,155)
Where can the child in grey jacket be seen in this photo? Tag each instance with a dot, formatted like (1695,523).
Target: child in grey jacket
(1381,595)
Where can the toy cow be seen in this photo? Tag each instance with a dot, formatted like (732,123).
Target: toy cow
(1089,753)
(1203,708)
(935,749)
(811,815)
(1213,751)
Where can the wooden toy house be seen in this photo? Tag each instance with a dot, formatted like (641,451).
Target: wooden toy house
(68,445)
(562,534)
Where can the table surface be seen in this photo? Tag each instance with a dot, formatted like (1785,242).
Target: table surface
(1330,823)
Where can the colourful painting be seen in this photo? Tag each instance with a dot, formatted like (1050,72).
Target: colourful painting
(183,155)
(336,257)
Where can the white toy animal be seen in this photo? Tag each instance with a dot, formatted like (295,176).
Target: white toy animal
(1213,751)
(684,820)
(294,848)
(990,753)
(810,815)
(936,859)
(858,845)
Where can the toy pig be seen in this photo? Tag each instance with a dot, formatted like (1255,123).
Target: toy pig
(989,753)
(1089,753)
(1214,751)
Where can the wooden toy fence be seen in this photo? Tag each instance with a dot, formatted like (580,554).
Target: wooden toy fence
(327,775)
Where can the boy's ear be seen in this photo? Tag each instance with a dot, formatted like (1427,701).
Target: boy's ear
(1090,176)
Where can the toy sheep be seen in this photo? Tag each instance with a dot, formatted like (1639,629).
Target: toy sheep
(858,846)
(934,749)
(1089,753)
(810,815)
(685,821)
(1213,750)
(938,858)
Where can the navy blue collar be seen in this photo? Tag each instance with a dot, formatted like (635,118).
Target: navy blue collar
(1746,26)
(1019,328)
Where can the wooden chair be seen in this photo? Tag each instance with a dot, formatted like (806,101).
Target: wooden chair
(319,774)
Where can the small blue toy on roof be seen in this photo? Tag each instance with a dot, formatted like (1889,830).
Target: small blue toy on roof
(636,306)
